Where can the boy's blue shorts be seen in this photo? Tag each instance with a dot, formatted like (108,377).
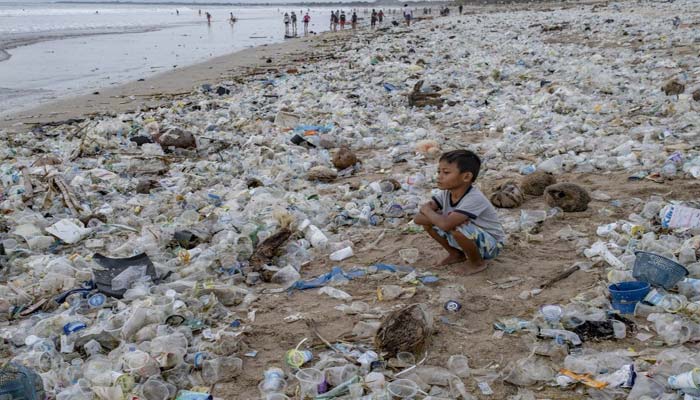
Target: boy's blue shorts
(488,246)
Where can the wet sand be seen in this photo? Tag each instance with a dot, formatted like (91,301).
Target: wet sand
(151,92)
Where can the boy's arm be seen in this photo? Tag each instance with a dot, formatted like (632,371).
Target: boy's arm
(444,222)
(420,218)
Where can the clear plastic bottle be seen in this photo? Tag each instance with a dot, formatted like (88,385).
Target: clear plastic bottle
(273,381)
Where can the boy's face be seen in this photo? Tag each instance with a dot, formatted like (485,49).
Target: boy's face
(449,177)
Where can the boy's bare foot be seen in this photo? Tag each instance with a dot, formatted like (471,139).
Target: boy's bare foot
(470,269)
(453,258)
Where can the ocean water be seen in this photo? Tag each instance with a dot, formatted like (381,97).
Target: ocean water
(55,50)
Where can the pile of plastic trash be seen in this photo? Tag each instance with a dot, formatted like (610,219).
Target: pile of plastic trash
(131,247)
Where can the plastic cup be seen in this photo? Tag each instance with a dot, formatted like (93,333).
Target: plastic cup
(309,381)
(459,365)
(141,364)
(165,304)
(337,375)
(264,393)
(114,325)
(409,256)
(406,358)
(155,389)
(402,389)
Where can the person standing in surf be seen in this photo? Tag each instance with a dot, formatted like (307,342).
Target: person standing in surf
(307,18)
(286,24)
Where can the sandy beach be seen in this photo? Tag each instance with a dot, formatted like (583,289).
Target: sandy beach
(598,94)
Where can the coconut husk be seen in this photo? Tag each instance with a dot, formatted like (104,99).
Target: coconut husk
(507,195)
(420,99)
(673,88)
(266,250)
(567,196)
(535,183)
(696,95)
(344,158)
(408,329)
(176,137)
(321,173)
(47,160)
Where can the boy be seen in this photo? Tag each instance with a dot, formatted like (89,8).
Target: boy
(460,217)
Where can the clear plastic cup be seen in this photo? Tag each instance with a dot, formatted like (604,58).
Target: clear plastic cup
(409,256)
(459,365)
(402,389)
(309,381)
(155,389)
(406,358)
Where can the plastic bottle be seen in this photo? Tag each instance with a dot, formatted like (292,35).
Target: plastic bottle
(342,254)
(531,218)
(669,302)
(567,335)
(317,238)
(273,380)
(335,293)
(686,380)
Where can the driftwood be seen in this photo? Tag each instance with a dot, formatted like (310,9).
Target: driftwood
(562,275)
(419,99)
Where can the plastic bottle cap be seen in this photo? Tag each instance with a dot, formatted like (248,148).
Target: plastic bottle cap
(452,306)
(97,300)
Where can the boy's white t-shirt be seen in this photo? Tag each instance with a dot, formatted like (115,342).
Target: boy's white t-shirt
(475,206)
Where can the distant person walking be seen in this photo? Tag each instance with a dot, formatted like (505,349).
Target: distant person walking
(460,9)
(200,13)
(353,20)
(208,17)
(294,24)
(381,16)
(177,12)
(373,19)
(407,15)
(286,24)
(307,18)
(342,20)
(231,19)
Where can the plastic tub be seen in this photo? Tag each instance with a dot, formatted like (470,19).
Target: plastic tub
(657,270)
(626,295)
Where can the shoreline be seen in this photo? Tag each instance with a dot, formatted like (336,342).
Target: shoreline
(152,91)
(155,90)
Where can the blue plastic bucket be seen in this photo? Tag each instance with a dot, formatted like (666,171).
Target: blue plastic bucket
(657,270)
(626,295)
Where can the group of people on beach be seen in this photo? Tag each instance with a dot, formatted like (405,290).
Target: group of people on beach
(290,24)
(231,19)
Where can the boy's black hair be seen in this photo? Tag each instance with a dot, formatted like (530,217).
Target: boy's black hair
(466,160)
